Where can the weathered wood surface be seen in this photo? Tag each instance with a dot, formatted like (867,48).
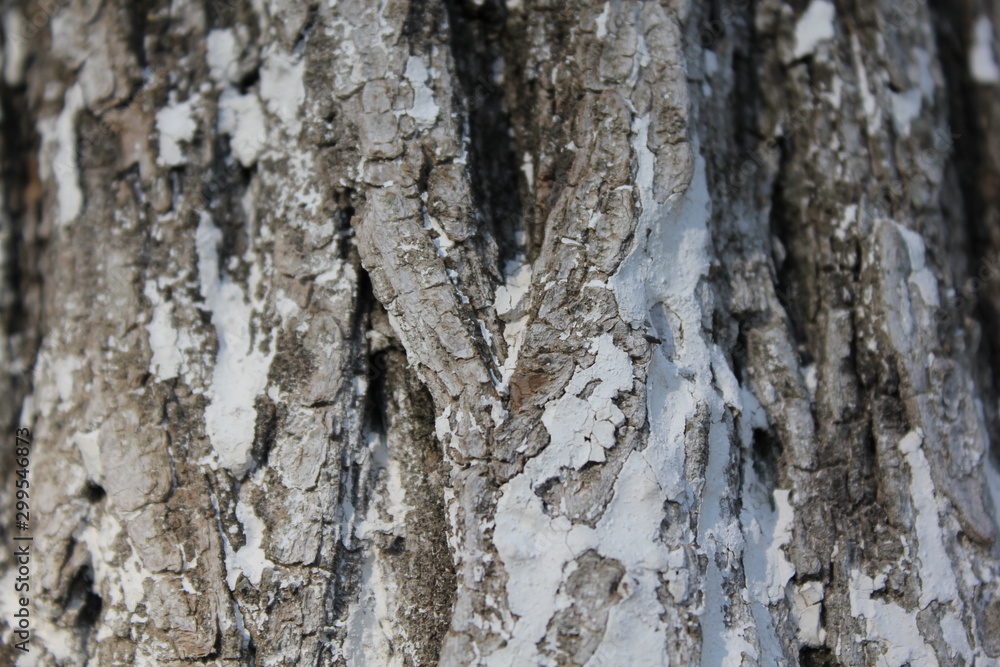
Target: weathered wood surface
(604,333)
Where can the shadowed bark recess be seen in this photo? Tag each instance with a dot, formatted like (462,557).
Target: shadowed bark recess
(501,333)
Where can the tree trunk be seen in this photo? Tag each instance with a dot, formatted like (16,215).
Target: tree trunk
(462,333)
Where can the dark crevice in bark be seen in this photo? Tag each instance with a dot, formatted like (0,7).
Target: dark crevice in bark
(345,575)
(978,183)
(219,192)
(528,99)
(137,13)
(265,432)
(421,18)
(789,278)
(475,40)
(422,563)
(344,233)
(376,405)
(400,410)
(817,657)
(21,195)
(82,604)
(767,452)
(21,281)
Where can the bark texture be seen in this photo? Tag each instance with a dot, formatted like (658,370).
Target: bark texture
(471,333)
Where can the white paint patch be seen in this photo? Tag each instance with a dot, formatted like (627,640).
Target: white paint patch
(954,631)
(779,569)
(54,380)
(814,27)
(121,583)
(250,560)
(509,297)
(581,430)
(906,108)
(222,54)
(282,88)
(847,219)
(807,605)
(661,282)
(602,21)
(424,111)
(766,531)
(982,59)
(167,358)
(65,166)
(175,124)
(15,51)
(528,169)
(711,61)
(367,644)
(873,113)
(89,446)
(510,302)
(937,577)
(538,551)
(921,277)
(894,628)
(65,370)
(240,373)
(923,73)
(242,118)
(534,546)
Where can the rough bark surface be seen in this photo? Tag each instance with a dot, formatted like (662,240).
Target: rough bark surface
(472,333)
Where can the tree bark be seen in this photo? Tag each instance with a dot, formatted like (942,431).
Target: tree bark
(471,333)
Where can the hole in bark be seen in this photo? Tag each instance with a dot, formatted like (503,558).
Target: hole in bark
(249,80)
(398,546)
(95,492)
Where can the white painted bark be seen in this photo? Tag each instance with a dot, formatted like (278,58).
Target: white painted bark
(597,333)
